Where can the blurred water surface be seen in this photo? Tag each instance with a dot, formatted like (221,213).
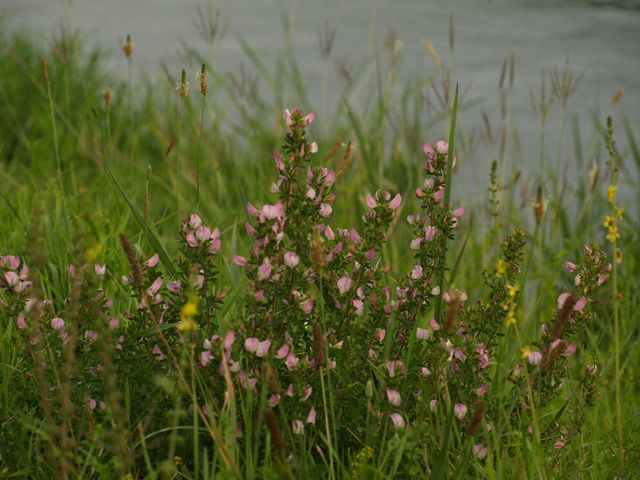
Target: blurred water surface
(600,39)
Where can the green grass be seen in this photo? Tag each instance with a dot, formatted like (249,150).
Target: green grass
(74,177)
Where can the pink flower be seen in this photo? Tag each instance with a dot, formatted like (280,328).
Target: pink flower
(308,119)
(416,272)
(561,299)
(153,261)
(359,306)
(251,210)
(425,372)
(570,265)
(415,244)
(100,268)
(308,390)
(602,279)
(298,427)
(157,353)
(379,334)
(264,270)
(438,196)
(203,234)
(442,147)
(325,210)
(433,405)
(291,361)
(398,421)
(460,410)
(287,118)
(422,333)
(313,148)
(307,306)
(571,349)
(215,242)
(480,451)
(240,261)
(344,284)
(371,203)
(22,324)
(535,358)
(394,398)
(174,286)
(155,286)
(482,390)
(311,193)
(580,304)
(263,348)
(91,335)
(282,352)
(355,236)
(291,259)
(434,325)
(195,221)
(91,404)
(274,400)
(430,232)
(57,323)
(311,417)
(395,202)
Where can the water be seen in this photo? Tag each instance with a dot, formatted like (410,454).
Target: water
(600,39)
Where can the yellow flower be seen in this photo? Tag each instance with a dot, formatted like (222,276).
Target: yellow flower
(609,221)
(613,233)
(501,268)
(189,310)
(187,325)
(512,290)
(93,252)
(177,460)
(526,353)
(617,211)
(611,192)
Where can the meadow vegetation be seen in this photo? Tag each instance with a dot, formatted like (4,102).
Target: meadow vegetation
(198,279)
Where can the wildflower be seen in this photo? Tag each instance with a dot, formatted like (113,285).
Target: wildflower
(618,255)
(311,417)
(460,410)
(501,267)
(344,284)
(264,270)
(480,451)
(611,192)
(291,259)
(422,333)
(570,266)
(57,323)
(393,396)
(395,202)
(398,421)
(260,349)
(298,427)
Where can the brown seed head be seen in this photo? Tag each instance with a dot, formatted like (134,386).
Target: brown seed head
(127,47)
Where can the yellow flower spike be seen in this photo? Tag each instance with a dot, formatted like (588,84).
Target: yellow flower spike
(512,290)
(501,267)
(611,192)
